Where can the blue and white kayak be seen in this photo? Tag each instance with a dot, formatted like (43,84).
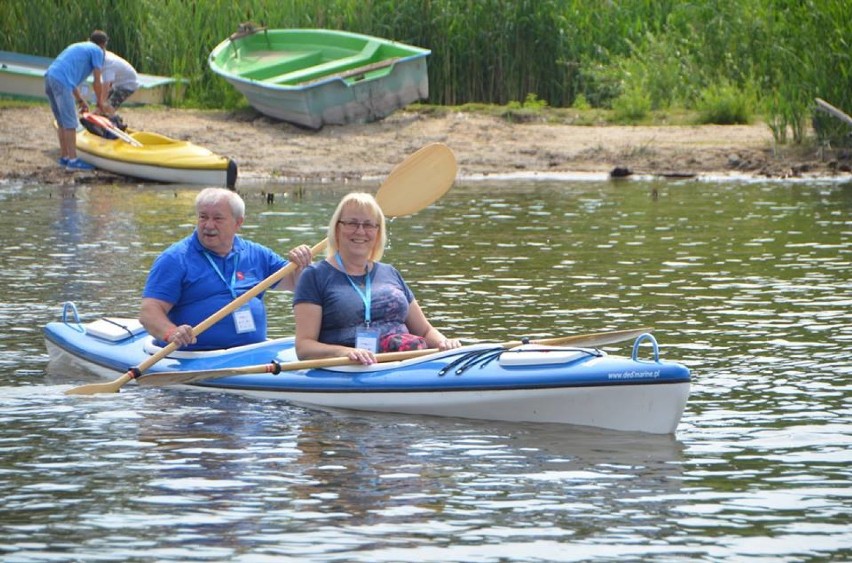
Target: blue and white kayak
(526,382)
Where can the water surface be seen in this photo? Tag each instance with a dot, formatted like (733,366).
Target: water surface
(746,283)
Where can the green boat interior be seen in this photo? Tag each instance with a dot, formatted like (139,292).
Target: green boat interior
(297,67)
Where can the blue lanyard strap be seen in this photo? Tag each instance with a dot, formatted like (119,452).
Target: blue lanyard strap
(222,276)
(366,296)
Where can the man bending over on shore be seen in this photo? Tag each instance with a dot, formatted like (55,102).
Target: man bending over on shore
(73,65)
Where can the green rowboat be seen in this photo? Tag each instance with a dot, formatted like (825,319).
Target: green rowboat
(317,77)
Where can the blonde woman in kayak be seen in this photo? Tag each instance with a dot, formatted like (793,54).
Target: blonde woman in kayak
(353,305)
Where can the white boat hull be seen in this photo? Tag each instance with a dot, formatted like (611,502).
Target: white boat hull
(157,173)
(628,409)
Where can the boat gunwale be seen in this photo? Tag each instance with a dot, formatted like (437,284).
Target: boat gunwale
(220,165)
(307,85)
(372,44)
(424,389)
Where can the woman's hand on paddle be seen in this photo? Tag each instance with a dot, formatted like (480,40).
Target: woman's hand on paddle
(449,344)
(362,356)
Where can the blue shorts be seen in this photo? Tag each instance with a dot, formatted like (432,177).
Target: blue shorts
(61,99)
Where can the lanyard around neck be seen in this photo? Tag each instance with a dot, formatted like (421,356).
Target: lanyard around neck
(366,296)
(233,283)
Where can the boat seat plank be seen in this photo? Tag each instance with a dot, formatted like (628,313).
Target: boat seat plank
(264,70)
(364,57)
(318,71)
(354,72)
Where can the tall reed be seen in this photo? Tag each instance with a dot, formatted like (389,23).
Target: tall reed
(668,52)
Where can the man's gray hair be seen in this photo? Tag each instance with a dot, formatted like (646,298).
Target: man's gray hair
(212,196)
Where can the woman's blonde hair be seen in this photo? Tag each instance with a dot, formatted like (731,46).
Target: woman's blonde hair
(360,201)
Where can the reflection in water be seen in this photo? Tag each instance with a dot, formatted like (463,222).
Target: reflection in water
(747,284)
(176,466)
(365,457)
(69,236)
(183,465)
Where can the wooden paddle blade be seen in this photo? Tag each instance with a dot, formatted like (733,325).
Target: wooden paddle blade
(95,388)
(418,181)
(585,340)
(595,340)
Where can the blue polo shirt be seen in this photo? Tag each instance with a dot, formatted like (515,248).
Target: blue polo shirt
(75,63)
(184,276)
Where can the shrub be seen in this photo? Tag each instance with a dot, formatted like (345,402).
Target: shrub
(631,106)
(581,103)
(724,104)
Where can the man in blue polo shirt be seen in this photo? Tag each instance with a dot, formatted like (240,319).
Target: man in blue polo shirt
(73,65)
(199,275)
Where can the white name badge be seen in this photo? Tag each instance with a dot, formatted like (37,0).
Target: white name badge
(367,339)
(244,321)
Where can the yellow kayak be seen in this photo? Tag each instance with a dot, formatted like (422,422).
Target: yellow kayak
(155,157)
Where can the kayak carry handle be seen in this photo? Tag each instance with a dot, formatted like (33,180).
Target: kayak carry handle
(639,340)
(70,306)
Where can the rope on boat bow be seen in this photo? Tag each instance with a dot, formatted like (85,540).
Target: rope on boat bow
(125,328)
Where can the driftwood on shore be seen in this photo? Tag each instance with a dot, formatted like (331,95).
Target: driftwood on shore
(624,172)
(830,109)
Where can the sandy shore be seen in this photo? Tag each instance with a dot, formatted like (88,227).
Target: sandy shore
(267,150)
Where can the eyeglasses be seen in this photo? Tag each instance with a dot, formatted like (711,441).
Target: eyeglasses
(352,226)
